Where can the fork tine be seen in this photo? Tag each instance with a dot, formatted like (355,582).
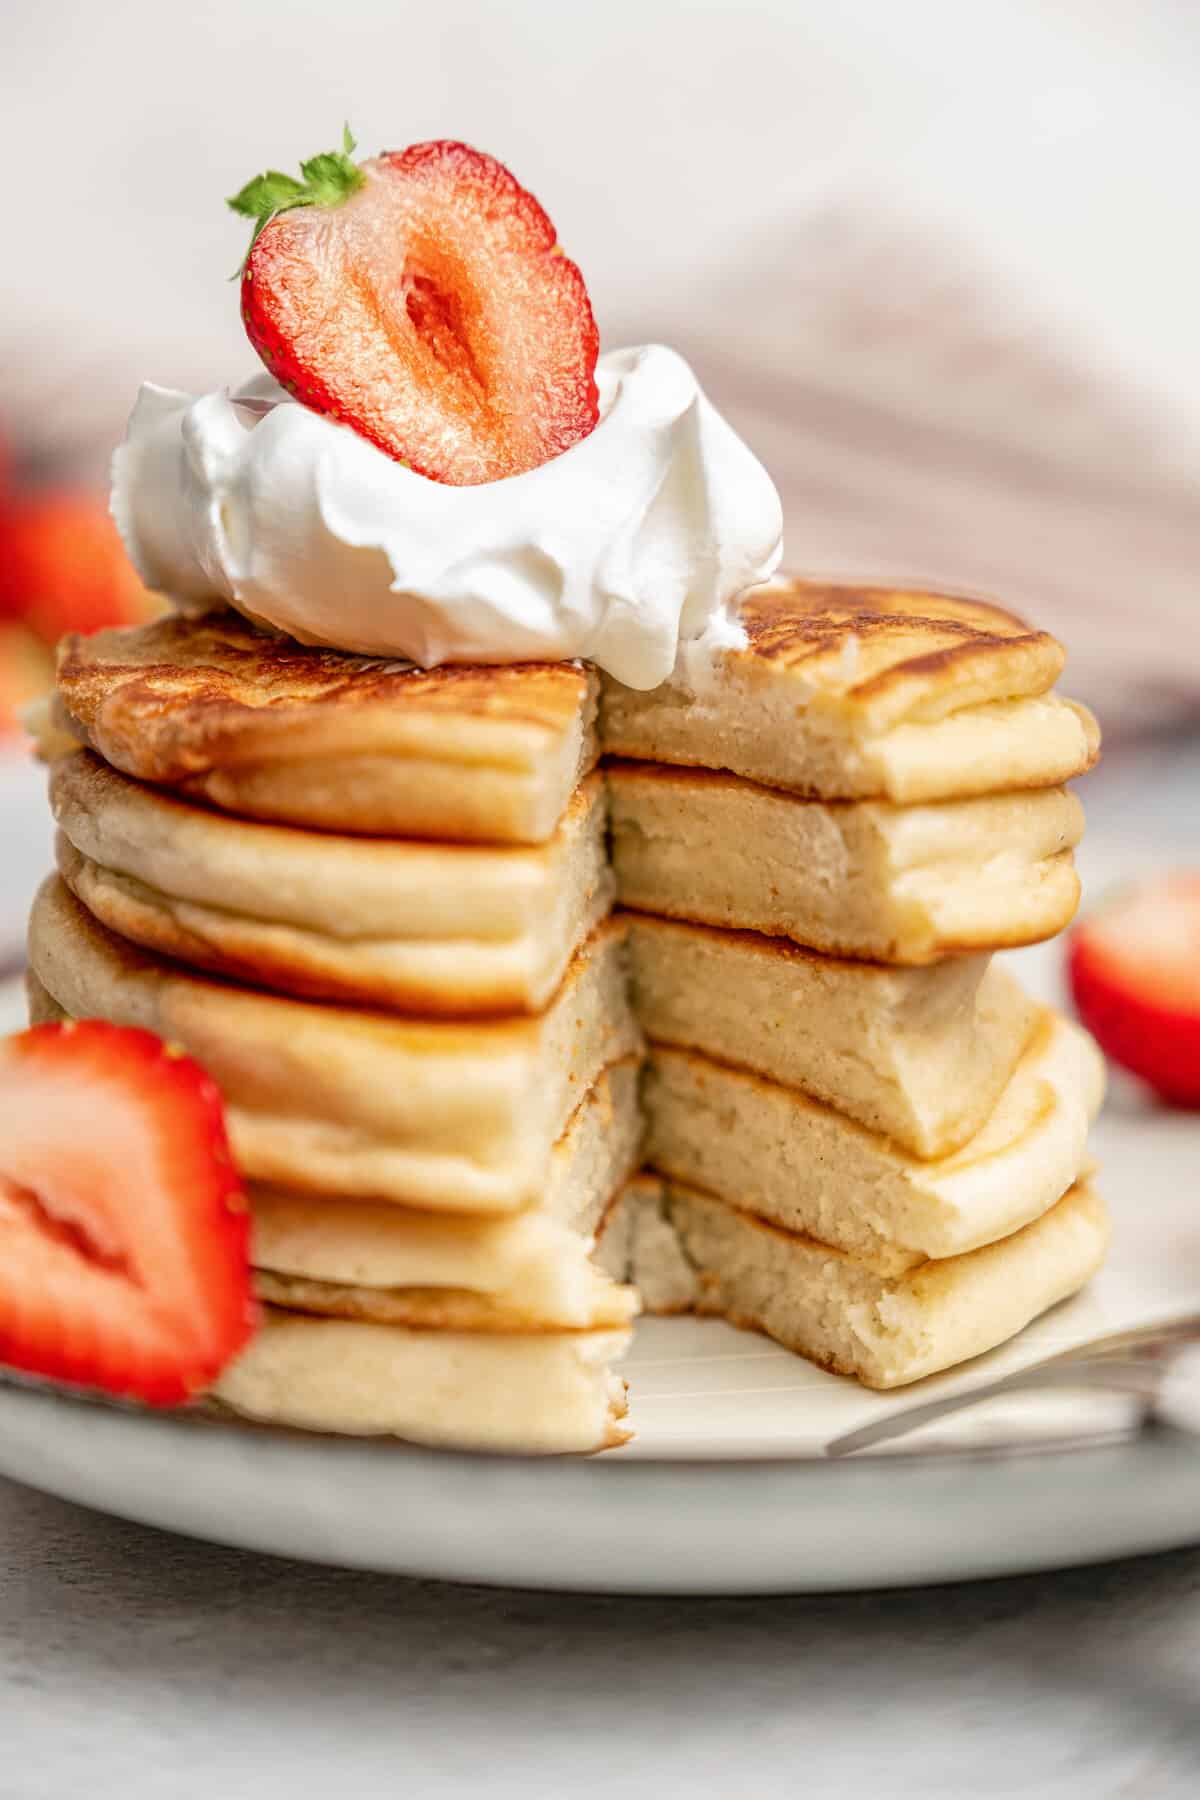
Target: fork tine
(1123,1362)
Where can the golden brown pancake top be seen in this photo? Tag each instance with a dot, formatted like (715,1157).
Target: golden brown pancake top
(180,695)
(885,649)
(174,698)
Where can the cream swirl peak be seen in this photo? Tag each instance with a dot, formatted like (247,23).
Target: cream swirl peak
(629,549)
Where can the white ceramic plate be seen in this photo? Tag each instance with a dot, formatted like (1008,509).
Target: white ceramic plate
(726,1487)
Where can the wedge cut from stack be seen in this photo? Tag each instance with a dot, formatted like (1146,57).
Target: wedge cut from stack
(864,1142)
(693,1253)
(375,905)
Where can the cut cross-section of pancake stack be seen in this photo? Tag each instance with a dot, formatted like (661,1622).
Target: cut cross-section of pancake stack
(866,1141)
(376,905)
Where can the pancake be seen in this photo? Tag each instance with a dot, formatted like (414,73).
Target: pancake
(462,1116)
(689,1252)
(772,1151)
(894,884)
(847,693)
(582,1298)
(918,1055)
(258,725)
(421,927)
(527,1271)
(537,1394)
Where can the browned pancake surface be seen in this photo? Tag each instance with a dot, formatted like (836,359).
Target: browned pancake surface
(885,648)
(172,699)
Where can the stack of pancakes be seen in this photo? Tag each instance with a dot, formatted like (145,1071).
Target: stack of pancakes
(375,903)
(867,1141)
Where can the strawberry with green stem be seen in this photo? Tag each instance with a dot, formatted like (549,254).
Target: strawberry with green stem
(421,298)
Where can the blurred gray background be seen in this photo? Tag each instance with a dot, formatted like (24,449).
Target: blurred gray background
(939,261)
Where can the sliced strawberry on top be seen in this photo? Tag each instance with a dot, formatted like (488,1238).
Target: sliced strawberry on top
(124,1239)
(421,298)
(1134,967)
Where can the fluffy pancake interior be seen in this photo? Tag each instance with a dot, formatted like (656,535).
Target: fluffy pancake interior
(690,1252)
(900,885)
(920,1055)
(775,1152)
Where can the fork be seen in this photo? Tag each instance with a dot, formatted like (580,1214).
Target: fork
(1135,1362)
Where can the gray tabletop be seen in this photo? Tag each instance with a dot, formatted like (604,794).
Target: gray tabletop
(133,1663)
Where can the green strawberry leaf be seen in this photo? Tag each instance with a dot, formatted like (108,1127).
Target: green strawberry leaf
(328,179)
(268,193)
(331,177)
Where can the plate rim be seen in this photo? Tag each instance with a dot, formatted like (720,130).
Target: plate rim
(207,1417)
(725,1526)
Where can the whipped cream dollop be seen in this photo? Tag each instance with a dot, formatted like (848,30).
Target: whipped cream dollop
(629,549)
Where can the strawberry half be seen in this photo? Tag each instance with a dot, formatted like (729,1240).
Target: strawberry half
(1134,968)
(124,1243)
(421,298)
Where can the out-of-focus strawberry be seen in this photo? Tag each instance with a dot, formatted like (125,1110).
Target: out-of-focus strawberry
(63,566)
(124,1242)
(1134,966)
(421,298)
(26,670)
